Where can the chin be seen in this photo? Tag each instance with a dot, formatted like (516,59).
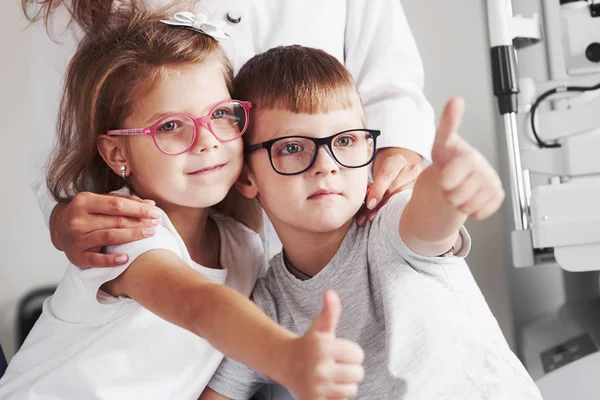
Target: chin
(327,222)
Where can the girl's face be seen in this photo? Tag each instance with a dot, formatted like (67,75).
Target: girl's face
(202,176)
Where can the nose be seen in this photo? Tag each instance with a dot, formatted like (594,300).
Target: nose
(205,141)
(324,163)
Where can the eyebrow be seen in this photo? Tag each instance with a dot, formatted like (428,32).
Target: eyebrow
(157,116)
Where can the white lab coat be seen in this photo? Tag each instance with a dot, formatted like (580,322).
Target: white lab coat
(371,37)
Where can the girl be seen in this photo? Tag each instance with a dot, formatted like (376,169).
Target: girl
(146,110)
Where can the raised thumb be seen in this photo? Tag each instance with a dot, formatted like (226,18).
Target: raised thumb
(449,124)
(329,317)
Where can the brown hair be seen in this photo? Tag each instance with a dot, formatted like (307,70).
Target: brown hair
(297,79)
(89,14)
(112,67)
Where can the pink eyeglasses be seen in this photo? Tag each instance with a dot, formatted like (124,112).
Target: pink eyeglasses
(175,134)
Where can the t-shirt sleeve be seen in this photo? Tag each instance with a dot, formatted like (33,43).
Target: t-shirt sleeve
(385,230)
(233,379)
(78,298)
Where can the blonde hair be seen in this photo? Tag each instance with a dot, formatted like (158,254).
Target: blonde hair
(297,79)
(116,64)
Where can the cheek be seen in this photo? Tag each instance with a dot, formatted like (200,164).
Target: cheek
(357,180)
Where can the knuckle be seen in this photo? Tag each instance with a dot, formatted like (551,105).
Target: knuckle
(73,224)
(116,205)
(121,222)
(98,260)
(79,200)
(144,210)
(110,237)
(322,373)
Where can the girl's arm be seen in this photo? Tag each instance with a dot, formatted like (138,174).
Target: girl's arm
(459,184)
(163,283)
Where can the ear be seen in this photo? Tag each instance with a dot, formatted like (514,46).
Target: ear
(245,184)
(112,150)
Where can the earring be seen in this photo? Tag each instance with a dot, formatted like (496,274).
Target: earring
(123,168)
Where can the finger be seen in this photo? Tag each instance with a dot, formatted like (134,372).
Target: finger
(344,391)
(457,171)
(362,215)
(490,208)
(466,191)
(406,177)
(390,169)
(347,352)
(107,237)
(102,222)
(449,123)
(373,213)
(99,260)
(478,201)
(136,198)
(348,373)
(327,320)
(121,206)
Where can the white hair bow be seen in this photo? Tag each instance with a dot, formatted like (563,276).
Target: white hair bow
(198,22)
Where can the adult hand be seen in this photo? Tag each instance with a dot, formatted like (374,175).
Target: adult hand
(90,221)
(392,173)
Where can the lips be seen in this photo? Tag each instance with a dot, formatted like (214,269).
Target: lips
(321,193)
(207,170)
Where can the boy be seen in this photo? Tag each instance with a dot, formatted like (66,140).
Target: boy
(407,294)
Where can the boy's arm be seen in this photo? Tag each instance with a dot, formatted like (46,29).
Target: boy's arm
(460,183)
(429,224)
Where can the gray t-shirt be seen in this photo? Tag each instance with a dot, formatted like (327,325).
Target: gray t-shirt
(423,323)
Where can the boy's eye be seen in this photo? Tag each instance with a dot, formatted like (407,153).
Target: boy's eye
(344,141)
(168,126)
(291,148)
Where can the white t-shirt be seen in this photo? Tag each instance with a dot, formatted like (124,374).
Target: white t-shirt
(89,345)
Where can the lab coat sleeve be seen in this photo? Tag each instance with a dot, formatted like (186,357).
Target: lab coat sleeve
(50,51)
(382,56)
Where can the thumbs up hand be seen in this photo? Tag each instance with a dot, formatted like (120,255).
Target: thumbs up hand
(327,367)
(468,180)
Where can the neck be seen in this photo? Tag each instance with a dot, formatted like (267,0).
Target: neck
(307,253)
(196,231)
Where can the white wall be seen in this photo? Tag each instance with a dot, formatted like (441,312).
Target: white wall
(27,258)
(452,37)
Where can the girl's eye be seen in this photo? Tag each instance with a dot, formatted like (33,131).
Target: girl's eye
(291,148)
(220,113)
(344,141)
(168,126)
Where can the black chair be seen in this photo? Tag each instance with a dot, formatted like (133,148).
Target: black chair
(3,363)
(30,308)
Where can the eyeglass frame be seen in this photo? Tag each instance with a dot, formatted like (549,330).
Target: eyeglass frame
(326,141)
(198,123)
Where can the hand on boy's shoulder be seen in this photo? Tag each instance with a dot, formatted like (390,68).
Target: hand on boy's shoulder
(468,180)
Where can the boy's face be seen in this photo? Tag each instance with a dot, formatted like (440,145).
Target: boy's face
(321,199)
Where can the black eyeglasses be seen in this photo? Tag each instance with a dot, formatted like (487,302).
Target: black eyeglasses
(293,155)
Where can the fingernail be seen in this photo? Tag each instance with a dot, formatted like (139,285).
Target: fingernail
(148,231)
(155,221)
(121,259)
(154,213)
(372,217)
(361,220)
(371,204)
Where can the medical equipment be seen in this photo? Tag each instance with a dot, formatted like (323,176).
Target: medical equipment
(551,118)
